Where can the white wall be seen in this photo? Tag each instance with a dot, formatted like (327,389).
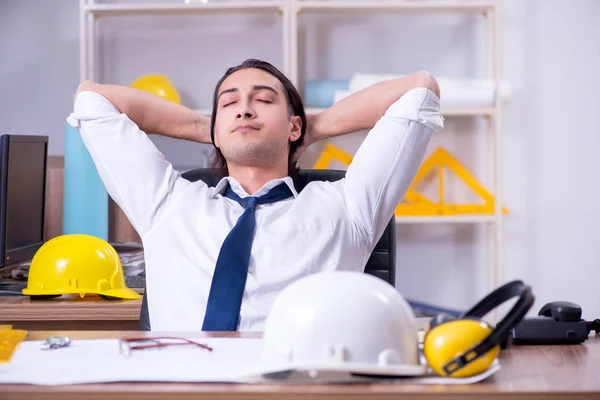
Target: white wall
(550,52)
(38,67)
(550,129)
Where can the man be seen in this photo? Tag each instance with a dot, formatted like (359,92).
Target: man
(210,254)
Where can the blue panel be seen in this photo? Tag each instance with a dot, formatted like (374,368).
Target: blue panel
(85,205)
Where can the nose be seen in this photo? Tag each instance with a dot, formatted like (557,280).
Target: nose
(245,112)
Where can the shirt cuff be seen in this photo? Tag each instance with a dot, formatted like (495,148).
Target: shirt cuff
(419,104)
(90,106)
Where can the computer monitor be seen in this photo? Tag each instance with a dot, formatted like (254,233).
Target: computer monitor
(22,197)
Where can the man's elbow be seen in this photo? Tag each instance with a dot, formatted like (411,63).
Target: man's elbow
(84,86)
(426,80)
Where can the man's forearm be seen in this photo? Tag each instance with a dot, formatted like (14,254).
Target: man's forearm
(153,114)
(363,109)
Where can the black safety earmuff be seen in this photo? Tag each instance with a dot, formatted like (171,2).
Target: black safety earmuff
(466,346)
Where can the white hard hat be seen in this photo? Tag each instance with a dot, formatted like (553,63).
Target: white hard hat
(342,321)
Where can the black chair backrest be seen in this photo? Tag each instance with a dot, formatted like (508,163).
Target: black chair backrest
(382,262)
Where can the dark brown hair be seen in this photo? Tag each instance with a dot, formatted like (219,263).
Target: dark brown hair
(295,107)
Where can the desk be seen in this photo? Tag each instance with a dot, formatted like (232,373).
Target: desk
(528,372)
(70,313)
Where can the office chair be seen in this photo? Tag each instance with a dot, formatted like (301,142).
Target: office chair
(381,264)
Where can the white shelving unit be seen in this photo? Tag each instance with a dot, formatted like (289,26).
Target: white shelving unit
(290,11)
(451,219)
(89,12)
(489,11)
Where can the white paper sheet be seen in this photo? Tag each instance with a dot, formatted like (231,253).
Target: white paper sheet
(88,361)
(312,377)
(232,360)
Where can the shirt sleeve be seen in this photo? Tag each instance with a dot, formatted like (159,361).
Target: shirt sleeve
(136,175)
(388,160)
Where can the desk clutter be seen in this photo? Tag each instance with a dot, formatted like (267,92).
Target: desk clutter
(88,259)
(304,338)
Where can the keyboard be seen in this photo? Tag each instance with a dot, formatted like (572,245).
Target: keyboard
(12,287)
(135,282)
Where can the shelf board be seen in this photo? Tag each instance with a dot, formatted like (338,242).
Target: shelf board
(456,112)
(446,113)
(465,112)
(438,6)
(453,219)
(168,8)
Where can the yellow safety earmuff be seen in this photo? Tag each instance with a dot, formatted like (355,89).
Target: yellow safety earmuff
(466,346)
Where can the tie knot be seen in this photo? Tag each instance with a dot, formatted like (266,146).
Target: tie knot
(278,193)
(249,202)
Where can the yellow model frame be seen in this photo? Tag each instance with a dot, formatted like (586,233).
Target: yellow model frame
(415,203)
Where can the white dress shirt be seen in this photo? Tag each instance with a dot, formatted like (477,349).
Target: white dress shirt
(328,226)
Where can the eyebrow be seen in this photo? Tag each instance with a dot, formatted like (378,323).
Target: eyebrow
(254,89)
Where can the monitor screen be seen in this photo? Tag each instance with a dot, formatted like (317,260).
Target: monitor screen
(24,191)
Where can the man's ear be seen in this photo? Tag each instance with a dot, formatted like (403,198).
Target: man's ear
(216,139)
(295,128)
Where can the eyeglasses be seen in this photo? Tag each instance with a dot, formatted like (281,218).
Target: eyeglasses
(127,345)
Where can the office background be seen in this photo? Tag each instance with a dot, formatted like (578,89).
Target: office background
(550,54)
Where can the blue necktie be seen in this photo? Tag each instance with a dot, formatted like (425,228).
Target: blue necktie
(229,279)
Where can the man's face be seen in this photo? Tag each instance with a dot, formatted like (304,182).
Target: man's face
(252,125)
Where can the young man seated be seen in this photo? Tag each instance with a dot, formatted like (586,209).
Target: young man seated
(217,257)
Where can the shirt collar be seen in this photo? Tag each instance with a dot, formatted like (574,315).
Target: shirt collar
(239,190)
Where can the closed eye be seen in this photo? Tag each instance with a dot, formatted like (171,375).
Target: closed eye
(265,101)
(228,104)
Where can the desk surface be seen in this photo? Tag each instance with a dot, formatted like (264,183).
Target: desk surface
(528,372)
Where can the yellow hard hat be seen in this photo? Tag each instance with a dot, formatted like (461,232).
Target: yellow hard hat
(77,264)
(159,85)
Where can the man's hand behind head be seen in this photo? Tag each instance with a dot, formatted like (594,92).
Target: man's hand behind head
(319,123)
